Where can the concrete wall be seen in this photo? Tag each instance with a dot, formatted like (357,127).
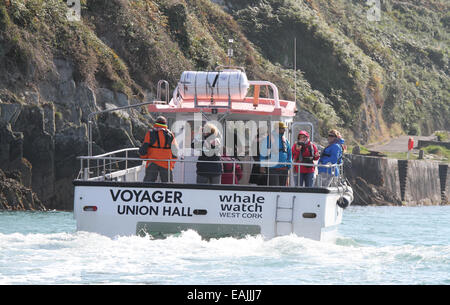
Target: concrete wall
(423,183)
(444,172)
(423,143)
(411,181)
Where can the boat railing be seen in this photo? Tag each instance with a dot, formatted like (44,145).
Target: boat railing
(125,165)
(92,115)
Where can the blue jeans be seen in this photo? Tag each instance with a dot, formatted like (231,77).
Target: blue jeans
(305,179)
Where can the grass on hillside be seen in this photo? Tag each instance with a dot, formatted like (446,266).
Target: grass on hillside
(442,136)
(438,150)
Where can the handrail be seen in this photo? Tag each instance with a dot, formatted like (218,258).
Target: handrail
(329,165)
(92,114)
(158,91)
(109,153)
(181,159)
(274,89)
(107,166)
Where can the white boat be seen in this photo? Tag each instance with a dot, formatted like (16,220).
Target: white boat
(111,198)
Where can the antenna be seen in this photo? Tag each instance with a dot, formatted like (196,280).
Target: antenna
(230,51)
(295,70)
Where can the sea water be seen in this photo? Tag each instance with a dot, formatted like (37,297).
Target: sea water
(375,245)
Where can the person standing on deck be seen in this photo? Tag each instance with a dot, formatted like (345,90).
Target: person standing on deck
(209,172)
(332,154)
(276,150)
(258,176)
(159,144)
(304,151)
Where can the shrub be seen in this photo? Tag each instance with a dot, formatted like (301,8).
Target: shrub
(442,136)
(438,150)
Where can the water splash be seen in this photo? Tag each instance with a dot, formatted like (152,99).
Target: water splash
(58,255)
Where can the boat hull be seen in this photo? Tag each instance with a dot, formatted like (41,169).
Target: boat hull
(159,209)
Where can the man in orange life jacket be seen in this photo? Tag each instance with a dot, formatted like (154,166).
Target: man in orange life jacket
(159,144)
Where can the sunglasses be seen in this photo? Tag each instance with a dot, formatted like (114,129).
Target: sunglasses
(332,135)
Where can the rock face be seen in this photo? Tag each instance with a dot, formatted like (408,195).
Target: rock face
(14,196)
(42,144)
(373,180)
(368,194)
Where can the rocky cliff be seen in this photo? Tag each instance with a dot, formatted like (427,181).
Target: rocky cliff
(369,79)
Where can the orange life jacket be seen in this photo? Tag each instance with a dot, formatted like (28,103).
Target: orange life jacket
(160,147)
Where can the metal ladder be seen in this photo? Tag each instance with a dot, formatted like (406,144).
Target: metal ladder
(291,221)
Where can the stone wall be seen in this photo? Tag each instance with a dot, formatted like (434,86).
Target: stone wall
(422,182)
(423,143)
(444,173)
(388,181)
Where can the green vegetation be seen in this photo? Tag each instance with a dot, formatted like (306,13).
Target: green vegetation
(438,150)
(432,152)
(394,71)
(369,79)
(39,31)
(442,136)
(58,115)
(401,155)
(362,149)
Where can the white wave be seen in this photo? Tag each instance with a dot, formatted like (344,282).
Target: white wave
(81,257)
